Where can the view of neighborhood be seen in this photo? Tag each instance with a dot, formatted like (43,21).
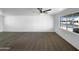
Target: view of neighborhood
(70,22)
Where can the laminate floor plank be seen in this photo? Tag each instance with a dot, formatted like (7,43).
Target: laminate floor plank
(34,41)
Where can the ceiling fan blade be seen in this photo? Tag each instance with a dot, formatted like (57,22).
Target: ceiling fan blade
(47,10)
(40,9)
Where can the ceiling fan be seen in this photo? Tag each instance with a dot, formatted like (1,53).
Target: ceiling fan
(41,10)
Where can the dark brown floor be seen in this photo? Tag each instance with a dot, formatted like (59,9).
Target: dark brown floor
(33,41)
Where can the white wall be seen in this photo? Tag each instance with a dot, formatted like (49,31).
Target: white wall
(29,23)
(1,23)
(71,37)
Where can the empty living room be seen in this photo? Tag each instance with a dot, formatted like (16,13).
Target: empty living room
(39,29)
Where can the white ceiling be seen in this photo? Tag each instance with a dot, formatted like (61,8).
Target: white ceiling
(26,11)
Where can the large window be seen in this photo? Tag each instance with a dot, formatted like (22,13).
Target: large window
(70,22)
